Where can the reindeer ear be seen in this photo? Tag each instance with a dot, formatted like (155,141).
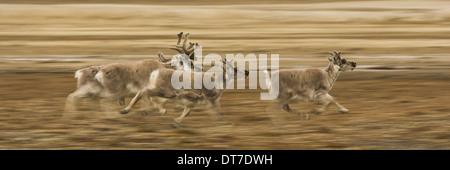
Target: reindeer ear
(331,54)
(330,59)
(339,52)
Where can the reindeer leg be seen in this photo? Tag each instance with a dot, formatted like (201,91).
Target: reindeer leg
(160,102)
(70,105)
(342,109)
(133,102)
(109,106)
(214,105)
(283,102)
(324,108)
(327,100)
(72,101)
(287,108)
(177,121)
(149,104)
(122,101)
(271,110)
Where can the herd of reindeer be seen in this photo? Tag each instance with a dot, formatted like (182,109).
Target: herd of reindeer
(150,80)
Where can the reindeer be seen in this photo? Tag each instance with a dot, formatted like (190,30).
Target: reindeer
(119,80)
(309,85)
(160,85)
(92,85)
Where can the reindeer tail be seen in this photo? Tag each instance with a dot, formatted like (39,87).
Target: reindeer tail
(153,78)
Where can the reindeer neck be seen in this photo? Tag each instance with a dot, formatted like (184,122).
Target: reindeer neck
(225,80)
(332,75)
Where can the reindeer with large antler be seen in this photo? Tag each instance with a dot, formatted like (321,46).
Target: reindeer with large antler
(114,82)
(309,85)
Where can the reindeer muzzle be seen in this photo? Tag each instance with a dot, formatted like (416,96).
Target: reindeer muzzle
(353,64)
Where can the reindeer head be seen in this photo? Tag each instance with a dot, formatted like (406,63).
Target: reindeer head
(181,62)
(230,70)
(339,63)
(108,74)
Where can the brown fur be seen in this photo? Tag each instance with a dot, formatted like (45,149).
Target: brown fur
(123,79)
(119,80)
(310,85)
(161,86)
(87,87)
(186,97)
(302,82)
(87,75)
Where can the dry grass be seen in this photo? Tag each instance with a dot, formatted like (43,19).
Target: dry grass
(383,116)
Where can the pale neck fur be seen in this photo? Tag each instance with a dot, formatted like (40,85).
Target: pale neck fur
(333,74)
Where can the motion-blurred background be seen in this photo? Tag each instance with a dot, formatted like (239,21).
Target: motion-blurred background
(397,96)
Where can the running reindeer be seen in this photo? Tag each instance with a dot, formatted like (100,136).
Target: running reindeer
(309,85)
(116,81)
(160,85)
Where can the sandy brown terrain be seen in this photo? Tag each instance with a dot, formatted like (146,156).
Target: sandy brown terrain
(397,96)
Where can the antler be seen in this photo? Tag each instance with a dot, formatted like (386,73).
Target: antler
(162,57)
(336,55)
(228,63)
(182,49)
(186,37)
(179,38)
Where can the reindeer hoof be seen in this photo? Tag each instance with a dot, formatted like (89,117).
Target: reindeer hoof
(124,111)
(306,116)
(163,111)
(179,108)
(144,113)
(343,110)
(176,125)
(318,111)
(122,103)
